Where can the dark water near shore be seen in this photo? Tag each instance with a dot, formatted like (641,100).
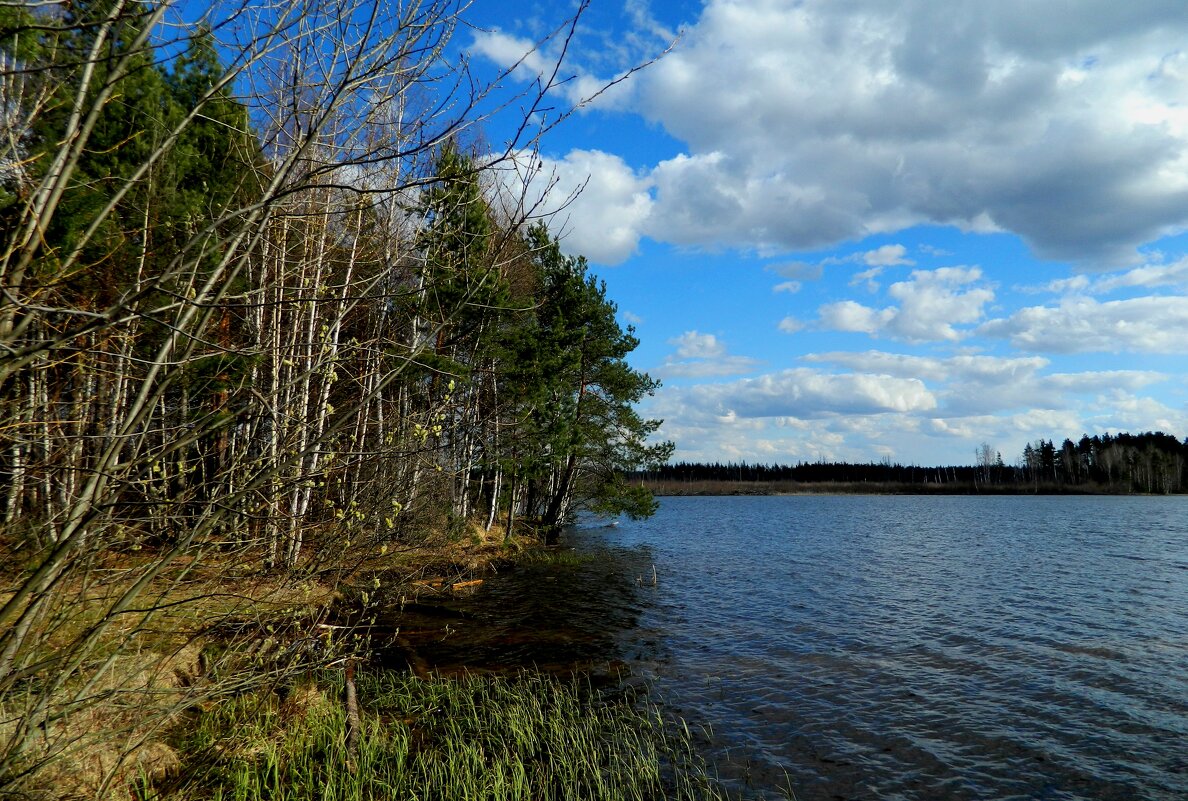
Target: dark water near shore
(882,647)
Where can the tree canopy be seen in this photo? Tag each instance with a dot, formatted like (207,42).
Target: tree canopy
(268,309)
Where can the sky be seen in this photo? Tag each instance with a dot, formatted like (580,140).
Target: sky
(854,230)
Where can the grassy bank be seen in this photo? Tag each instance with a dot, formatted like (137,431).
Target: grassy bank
(525,737)
(94,702)
(232,688)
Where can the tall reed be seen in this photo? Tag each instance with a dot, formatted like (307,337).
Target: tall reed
(529,736)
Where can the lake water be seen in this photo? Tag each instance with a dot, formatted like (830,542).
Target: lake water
(897,647)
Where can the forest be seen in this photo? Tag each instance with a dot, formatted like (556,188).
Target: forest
(268,300)
(1148,463)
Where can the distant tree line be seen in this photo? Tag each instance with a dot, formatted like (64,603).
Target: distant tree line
(1151,462)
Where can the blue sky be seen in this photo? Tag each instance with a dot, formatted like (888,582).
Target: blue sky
(863,230)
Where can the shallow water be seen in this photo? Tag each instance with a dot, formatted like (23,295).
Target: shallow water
(884,648)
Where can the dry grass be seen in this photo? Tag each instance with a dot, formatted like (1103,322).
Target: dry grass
(207,627)
(92,731)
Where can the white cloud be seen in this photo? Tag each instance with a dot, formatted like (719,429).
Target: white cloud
(971,385)
(520,54)
(885,408)
(592,200)
(790,416)
(806,124)
(931,303)
(549,59)
(886,256)
(1126,412)
(699,355)
(804,393)
(695,345)
(868,277)
(1072,285)
(815,122)
(876,261)
(1084,325)
(1147,276)
(847,315)
(790,325)
(962,367)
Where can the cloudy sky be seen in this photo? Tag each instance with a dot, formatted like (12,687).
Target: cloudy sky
(855,229)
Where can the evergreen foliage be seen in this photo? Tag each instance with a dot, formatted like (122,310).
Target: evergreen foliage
(270,314)
(1151,463)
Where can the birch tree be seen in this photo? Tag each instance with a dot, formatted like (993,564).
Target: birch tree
(186,247)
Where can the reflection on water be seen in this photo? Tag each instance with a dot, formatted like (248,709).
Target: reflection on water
(884,647)
(571,614)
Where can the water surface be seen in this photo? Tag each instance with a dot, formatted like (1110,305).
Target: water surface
(898,647)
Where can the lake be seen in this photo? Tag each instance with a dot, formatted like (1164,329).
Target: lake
(884,647)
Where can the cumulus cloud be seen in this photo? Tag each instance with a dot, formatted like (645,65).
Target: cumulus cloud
(811,123)
(699,355)
(886,256)
(918,409)
(973,385)
(1145,277)
(868,277)
(964,368)
(1084,325)
(695,345)
(790,325)
(848,315)
(546,61)
(805,394)
(1148,276)
(931,303)
(595,202)
(802,125)
(1127,412)
(521,55)
(876,261)
(801,414)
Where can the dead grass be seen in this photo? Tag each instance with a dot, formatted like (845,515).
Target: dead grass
(208,626)
(104,727)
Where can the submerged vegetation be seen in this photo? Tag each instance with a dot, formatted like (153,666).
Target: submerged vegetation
(271,320)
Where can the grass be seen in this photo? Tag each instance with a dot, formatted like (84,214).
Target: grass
(530,736)
(554,557)
(195,696)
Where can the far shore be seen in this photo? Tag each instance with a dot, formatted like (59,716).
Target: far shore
(669,488)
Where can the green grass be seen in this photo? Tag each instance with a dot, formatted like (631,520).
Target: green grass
(527,737)
(562,557)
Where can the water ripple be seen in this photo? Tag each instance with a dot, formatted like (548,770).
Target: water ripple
(913,648)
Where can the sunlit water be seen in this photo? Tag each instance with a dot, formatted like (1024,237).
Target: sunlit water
(885,647)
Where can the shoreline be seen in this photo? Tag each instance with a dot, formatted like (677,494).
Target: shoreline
(256,685)
(671,489)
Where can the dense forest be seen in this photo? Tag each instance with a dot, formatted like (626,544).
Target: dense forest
(216,319)
(265,297)
(1152,463)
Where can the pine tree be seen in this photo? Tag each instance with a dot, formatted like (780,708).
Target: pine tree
(587,432)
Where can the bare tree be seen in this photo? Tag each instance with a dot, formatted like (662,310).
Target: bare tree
(208,397)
